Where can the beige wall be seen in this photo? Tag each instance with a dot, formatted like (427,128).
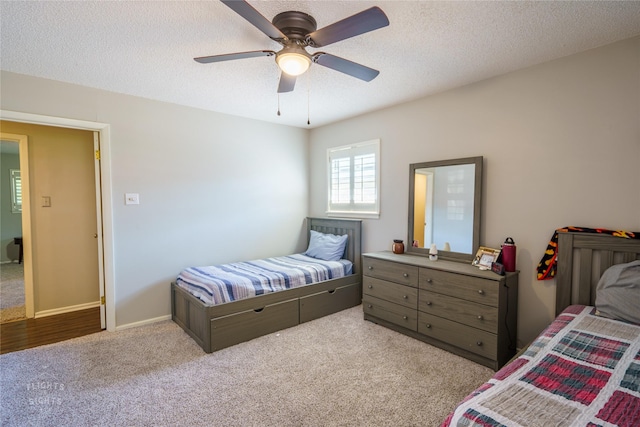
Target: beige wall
(65,257)
(561,143)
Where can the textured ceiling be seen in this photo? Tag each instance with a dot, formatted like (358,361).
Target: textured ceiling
(146,48)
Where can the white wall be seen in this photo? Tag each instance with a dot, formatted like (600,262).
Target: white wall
(561,143)
(213,188)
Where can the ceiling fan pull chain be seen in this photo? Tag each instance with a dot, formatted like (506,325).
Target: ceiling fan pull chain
(309,98)
(278,104)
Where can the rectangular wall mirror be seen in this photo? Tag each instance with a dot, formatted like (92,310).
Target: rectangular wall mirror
(445,198)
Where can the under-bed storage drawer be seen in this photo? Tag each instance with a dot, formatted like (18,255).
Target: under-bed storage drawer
(244,326)
(329,302)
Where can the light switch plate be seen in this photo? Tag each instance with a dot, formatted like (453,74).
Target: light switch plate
(132,199)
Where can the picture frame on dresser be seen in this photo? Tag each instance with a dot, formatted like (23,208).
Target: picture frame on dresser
(485,257)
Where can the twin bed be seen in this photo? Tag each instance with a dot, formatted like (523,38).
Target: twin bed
(584,369)
(220,306)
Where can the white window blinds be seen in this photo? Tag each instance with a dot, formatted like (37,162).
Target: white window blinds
(16,191)
(354,179)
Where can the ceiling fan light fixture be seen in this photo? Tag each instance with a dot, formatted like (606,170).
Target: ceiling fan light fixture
(293,61)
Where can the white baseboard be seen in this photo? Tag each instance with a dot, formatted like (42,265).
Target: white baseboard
(69,309)
(143,322)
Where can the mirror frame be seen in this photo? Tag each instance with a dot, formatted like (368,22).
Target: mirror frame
(477,205)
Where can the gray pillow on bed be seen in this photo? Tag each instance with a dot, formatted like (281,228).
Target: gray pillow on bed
(328,247)
(618,292)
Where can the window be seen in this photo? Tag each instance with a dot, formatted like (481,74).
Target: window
(16,191)
(354,179)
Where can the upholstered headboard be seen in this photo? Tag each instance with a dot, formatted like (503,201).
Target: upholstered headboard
(582,259)
(339,227)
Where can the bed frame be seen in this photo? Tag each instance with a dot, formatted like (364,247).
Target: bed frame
(582,259)
(215,327)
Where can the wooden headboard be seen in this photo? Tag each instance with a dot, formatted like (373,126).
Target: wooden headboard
(582,259)
(339,227)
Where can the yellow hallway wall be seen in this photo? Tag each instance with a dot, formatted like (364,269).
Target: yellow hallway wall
(65,261)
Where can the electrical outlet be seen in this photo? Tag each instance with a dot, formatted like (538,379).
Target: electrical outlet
(132,199)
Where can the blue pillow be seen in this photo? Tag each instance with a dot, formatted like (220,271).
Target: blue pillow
(328,247)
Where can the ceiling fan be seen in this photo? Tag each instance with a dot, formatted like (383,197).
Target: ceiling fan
(297,30)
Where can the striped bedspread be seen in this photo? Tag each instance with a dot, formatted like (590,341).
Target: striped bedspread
(583,370)
(219,284)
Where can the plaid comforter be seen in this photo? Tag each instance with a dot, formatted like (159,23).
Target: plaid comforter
(219,284)
(583,370)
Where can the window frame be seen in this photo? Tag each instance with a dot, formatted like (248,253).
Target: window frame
(351,209)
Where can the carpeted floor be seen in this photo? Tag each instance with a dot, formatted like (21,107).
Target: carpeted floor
(336,371)
(11,292)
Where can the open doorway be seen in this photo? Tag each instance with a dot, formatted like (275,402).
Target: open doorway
(102,133)
(12,290)
(61,219)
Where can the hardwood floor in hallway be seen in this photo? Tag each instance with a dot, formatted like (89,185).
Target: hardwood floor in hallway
(23,334)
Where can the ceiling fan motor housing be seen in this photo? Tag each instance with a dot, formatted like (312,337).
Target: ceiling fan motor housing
(295,25)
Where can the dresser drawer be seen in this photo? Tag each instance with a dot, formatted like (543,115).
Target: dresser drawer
(462,336)
(393,271)
(470,313)
(470,288)
(394,313)
(389,291)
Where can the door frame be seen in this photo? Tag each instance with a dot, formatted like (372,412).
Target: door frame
(105,195)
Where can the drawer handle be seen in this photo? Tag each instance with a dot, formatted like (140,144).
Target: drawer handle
(405,274)
(405,296)
(429,280)
(405,317)
(369,306)
(480,317)
(428,303)
(481,292)
(370,268)
(479,343)
(258,310)
(370,286)
(428,325)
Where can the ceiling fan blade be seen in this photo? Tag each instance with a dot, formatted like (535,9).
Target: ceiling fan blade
(232,56)
(345,66)
(360,23)
(287,83)
(247,11)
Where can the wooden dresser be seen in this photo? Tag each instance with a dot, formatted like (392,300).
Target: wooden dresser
(452,305)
